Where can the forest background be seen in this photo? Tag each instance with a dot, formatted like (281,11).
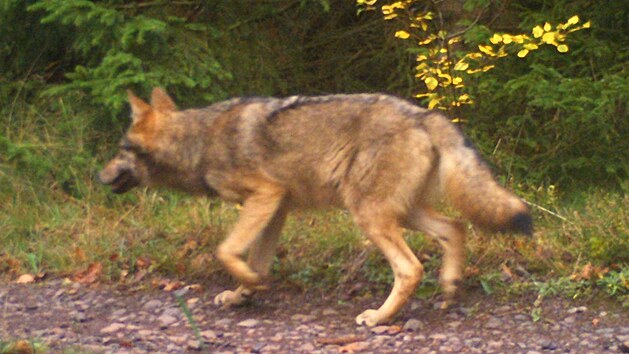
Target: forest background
(552,123)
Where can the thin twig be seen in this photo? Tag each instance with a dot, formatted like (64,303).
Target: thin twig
(480,14)
(549,212)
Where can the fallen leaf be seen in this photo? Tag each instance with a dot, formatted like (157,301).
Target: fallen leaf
(79,255)
(354,347)
(12,264)
(340,340)
(471,271)
(596,321)
(507,274)
(20,347)
(195,287)
(90,275)
(173,286)
(143,262)
(586,271)
(25,279)
(140,275)
(390,330)
(187,248)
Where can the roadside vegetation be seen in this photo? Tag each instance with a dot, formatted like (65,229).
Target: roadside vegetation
(551,124)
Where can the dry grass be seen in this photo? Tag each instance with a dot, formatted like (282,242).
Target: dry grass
(55,218)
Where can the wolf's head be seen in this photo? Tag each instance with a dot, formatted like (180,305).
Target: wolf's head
(130,167)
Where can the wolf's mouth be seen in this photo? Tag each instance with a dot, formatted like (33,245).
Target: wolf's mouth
(123,182)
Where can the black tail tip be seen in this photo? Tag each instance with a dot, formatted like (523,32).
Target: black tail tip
(523,223)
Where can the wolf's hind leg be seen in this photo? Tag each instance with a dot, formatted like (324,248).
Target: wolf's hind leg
(450,233)
(256,225)
(386,234)
(260,259)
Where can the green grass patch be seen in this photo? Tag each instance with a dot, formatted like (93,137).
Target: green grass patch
(56,219)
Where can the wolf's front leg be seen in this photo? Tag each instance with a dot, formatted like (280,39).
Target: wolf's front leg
(258,228)
(386,234)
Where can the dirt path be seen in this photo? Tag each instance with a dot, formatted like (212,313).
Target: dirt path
(110,319)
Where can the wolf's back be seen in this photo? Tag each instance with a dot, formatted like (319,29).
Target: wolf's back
(469,185)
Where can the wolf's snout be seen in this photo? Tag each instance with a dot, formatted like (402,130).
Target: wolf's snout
(119,178)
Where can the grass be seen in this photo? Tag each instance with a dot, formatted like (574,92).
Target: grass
(22,346)
(56,219)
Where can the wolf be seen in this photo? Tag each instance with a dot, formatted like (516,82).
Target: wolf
(383,159)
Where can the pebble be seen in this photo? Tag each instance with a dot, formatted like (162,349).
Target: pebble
(248,323)
(579,309)
(493,323)
(114,327)
(329,312)
(173,312)
(208,334)
(80,317)
(413,325)
(302,318)
(152,305)
(194,344)
(166,320)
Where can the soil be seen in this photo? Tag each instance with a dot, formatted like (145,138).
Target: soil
(71,317)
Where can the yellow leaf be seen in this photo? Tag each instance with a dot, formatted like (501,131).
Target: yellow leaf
(433,103)
(457,80)
(454,40)
(519,38)
(507,39)
(495,39)
(486,49)
(426,41)
(390,16)
(547,27)
(562,48)
(431,83)
(537,31)
(488,67)
(549,37)
(461,66)
(587,24)
(572,20)
(402,34)
(523,53)
(530,46)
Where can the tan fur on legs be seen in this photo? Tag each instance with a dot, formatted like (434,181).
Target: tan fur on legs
(385,233)
(260,259)
(451,235)
(258,213)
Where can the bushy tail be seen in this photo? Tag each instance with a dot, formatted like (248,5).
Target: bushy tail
(469,185)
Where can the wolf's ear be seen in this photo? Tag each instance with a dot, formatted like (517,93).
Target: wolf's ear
(161,102)
(138,107)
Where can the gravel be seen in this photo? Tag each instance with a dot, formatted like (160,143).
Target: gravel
(104,318)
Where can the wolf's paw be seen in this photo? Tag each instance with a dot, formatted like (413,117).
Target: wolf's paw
(450,288)
(229,298)
(369,318)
